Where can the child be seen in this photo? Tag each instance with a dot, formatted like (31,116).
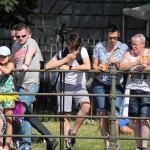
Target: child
(7,102)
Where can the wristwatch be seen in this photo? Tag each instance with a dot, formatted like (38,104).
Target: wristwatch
(70,67)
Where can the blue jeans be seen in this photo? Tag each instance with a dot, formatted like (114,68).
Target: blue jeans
(139,107)
(104,103)
(25,126)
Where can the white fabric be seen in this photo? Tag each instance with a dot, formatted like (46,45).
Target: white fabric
(75,77)
(125,107)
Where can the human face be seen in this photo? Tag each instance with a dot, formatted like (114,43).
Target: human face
(73,50)
(22,36)
(112,37)
(137,45)
(13,35)
(4,59)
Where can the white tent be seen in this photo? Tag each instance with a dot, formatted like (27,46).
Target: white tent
(136,17)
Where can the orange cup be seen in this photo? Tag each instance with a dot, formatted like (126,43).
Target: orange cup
(145,59)
(106,66)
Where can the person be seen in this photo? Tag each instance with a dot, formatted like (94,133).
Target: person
(126,126)
(75,83)
(7,102)
(13,33)
(138,84)
(111,51)
(35,123)
(26,55)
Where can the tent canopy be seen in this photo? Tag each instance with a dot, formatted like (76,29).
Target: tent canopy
(141,12)
(137,17)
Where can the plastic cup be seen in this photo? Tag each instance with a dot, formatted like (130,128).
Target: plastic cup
(106,66)
(145,59)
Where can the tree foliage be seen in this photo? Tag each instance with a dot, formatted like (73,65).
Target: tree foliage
(15,11)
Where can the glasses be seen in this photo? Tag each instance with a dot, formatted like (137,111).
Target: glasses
(18,37)
(135,44)
(112,38)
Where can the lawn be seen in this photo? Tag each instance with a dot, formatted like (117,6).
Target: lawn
(83,144)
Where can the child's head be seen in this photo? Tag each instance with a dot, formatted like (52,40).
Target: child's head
(4,55)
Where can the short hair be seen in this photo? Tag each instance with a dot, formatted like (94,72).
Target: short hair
(21,26)
(13,27)
(74,40)
(112,28)
(139,36)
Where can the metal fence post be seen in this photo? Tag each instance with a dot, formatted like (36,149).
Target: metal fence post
(112,117)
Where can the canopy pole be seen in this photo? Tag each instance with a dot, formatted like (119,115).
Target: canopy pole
(147,32)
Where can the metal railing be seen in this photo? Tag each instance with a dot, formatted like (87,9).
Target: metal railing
(112,117)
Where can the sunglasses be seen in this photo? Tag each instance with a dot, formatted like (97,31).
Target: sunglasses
(18,37)
(112,38)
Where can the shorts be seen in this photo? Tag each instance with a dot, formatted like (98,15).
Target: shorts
(71,89)
(104,103)
(7,104)
(139,107)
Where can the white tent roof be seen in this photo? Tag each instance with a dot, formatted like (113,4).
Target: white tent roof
(141,12)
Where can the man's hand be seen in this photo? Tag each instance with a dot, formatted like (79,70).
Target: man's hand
(71,56)
(24,67)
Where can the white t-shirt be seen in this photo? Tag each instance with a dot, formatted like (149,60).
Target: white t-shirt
(74,77)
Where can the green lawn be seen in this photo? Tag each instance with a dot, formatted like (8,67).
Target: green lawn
(83,144)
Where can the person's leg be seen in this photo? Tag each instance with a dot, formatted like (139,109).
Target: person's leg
(145,126)
(134,112)
(119,90)
(127,130)
(25,126)
(35,123)
(84,110)
(9,128)
(102,106)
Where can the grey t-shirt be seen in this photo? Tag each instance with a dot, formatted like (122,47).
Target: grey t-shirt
(18,53)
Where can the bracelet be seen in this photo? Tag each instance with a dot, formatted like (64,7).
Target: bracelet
(26,65)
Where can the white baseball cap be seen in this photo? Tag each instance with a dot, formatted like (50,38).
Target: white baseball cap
(4,51)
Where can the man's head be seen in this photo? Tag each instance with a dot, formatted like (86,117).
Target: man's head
(138,42)
(13,33)
(73,41)
(112,33)
(23,33)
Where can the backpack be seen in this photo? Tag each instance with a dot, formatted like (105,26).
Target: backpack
(78,56)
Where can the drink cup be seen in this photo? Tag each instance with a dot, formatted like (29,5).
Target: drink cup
(106,66)
(144,59)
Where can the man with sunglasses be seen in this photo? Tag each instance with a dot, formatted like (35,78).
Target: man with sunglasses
(51,142)
(111,51)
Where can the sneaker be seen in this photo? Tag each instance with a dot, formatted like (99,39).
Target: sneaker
(138,148)
(52,145)
(118,148)
(107,148)
(70,141)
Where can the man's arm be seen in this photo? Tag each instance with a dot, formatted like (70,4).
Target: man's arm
(125,64)
(28,58)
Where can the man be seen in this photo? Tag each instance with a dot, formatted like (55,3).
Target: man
(75,83)
(27,55)
(111,51)
(138,84)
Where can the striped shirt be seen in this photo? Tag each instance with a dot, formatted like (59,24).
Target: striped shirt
(101,54)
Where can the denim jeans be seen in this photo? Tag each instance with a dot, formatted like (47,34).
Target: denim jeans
(139,106)
(25,126)
(104,103)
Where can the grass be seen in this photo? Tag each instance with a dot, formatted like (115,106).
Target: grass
(83,144)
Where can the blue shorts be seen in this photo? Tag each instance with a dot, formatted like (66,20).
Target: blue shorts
(104,103)
(139,107)
(123,122)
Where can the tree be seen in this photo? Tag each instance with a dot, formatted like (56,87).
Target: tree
(15,11)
